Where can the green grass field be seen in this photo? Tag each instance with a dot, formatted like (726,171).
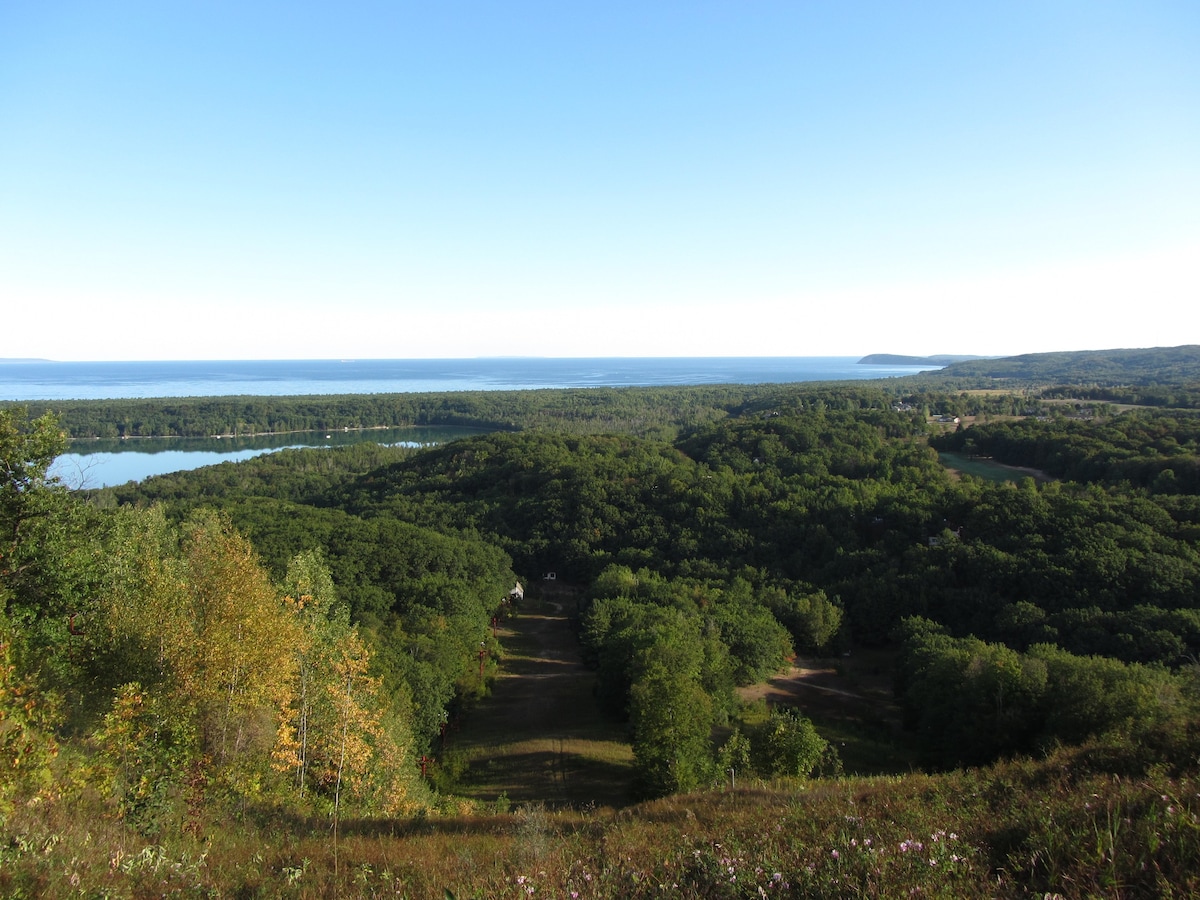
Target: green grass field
(987,469)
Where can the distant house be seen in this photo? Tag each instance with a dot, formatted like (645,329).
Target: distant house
(517,593)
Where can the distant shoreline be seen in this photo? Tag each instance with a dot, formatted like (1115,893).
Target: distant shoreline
(345,429)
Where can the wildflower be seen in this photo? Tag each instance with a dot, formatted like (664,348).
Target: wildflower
(835,854)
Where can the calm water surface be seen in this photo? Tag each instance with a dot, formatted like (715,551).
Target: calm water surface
(104,463)
(112,380)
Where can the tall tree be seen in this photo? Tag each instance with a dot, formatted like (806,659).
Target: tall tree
(671,716)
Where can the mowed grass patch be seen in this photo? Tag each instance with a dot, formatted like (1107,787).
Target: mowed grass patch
(539,736)
(988,470)
(571,771)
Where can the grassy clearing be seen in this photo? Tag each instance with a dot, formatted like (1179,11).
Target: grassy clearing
(988,470)
(539,735)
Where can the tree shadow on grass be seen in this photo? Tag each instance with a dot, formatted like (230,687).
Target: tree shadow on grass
(554,777)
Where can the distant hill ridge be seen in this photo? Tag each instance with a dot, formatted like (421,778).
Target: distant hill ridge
(1153,364)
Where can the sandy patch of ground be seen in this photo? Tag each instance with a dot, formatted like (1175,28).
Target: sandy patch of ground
(853,688)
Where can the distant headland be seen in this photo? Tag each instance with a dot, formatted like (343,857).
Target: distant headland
(893,359)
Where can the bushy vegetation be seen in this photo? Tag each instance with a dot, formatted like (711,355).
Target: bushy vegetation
(179,679)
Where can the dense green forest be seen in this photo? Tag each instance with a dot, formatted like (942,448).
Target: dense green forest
(824,521)
(291,635)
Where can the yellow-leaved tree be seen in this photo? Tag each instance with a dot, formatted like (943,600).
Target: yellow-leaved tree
(207,646)
(232,689)
(339,739)
(235,660)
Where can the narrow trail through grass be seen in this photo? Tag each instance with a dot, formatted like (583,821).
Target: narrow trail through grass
(539,736)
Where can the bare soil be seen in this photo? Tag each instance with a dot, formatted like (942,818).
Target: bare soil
(854,688)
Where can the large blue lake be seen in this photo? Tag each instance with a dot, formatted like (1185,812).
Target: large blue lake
(100,464)
(110,380)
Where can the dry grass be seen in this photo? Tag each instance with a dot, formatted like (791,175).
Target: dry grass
(1051,828)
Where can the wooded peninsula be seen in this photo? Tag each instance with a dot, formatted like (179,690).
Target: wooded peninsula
(935,634)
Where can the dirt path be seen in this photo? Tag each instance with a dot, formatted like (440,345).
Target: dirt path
(540,736)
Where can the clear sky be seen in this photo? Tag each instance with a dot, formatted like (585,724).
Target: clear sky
(223,180)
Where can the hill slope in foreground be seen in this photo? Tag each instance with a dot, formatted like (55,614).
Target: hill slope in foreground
(1055,828)
(1065,826)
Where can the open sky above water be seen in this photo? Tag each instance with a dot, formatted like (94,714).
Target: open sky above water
(400,180)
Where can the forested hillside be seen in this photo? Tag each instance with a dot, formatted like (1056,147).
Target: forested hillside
(290,636)
(823,520)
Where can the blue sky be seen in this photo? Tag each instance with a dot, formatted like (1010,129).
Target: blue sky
(298,180)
